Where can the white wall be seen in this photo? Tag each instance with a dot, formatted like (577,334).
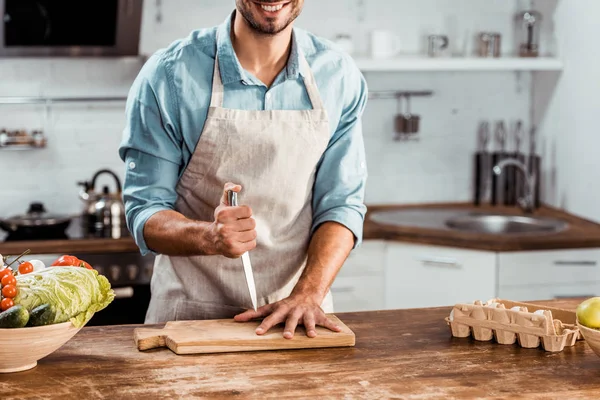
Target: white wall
(568,108)
(84,137)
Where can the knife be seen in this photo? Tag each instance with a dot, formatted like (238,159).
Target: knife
(232,198)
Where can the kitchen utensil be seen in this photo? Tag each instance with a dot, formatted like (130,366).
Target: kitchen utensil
(519,135)
(509,322)
(22,348)
(488,44)
(232,198)
(482,164)
(437,45)
(411,121)
(104,212)
(527,24)
(498,182)
(226,335)
(36,223)
(384,44)
(535,163)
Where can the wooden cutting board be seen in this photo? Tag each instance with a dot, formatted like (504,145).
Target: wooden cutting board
(226,335)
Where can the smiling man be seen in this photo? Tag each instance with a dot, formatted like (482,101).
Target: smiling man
(271,112)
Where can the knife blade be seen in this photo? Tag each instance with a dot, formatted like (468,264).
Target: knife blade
(232,198)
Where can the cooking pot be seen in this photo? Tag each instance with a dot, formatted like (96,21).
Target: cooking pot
(36,223)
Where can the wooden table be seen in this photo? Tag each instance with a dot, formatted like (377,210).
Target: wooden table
(398,354)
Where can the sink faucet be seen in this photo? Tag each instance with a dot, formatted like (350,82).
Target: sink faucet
(527,202)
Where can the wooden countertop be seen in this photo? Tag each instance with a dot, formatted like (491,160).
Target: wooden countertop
(581,233)
(70,246)
(398,354)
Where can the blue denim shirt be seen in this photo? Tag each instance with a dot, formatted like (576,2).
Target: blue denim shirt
(168,104)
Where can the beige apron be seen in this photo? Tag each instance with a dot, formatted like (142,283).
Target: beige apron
(273,154)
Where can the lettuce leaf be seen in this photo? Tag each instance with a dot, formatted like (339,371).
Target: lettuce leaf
(74,293)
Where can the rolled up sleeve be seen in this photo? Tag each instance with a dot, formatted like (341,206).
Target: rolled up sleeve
(150,148)
(341,176)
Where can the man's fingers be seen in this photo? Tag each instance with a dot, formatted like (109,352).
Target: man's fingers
(276,318)
(291,323)
(229,186)
(251,314)
(326,322)
(309,324)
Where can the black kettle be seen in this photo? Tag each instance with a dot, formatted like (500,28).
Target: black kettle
(104,213)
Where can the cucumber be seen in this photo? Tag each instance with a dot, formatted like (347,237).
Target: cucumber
(41,315)
(15,317)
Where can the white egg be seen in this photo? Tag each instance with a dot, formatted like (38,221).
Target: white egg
(37,265)
(539,312)
(516,308)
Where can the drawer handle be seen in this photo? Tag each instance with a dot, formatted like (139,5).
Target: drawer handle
(440,262)
(577,263)
(343,289)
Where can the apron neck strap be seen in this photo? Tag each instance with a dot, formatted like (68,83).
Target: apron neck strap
(218,91)
(310,84)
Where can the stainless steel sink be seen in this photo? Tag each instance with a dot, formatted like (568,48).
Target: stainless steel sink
(505,224)
(457,219)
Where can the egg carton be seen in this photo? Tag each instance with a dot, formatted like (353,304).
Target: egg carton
(509,321)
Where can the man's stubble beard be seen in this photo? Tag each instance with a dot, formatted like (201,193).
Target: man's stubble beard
(271,28)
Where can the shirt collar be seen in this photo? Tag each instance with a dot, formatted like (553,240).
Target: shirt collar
(229,66)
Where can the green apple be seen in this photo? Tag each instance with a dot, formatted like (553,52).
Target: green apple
(588,313)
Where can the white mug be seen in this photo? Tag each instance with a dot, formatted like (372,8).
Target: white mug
(384,44)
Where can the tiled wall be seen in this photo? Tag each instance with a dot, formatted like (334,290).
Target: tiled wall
(83,137)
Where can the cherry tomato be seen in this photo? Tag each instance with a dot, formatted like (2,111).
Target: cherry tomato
(85,265)
(6,271)
(5,304)
(66,261)
(25,267)
(9,280)
(9,291)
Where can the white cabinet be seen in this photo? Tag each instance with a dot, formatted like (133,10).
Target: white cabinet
(430,276)
(552,274)
(359,285)
(390,275)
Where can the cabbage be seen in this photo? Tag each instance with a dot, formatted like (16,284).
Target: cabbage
(74,293)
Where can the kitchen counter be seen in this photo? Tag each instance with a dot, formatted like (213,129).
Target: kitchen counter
(398,354)
(581,233)
(70,246)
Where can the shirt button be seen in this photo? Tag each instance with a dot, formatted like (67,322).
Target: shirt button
(132,165)
(269,96)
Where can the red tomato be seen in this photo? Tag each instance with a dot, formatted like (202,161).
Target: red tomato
(66,261)
(85,265)
(25,267)
(6,271)
(9,291)
(5,304)
(9,280)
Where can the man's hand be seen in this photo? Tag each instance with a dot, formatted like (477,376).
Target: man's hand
(232,233)
(294,310)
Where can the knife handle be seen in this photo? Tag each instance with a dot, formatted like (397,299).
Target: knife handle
(232,198)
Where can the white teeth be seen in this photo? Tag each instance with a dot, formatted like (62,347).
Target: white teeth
(272,8)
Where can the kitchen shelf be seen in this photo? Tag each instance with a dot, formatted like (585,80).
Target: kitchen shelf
(419,63)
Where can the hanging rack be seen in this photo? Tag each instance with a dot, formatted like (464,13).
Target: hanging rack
(396,94)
